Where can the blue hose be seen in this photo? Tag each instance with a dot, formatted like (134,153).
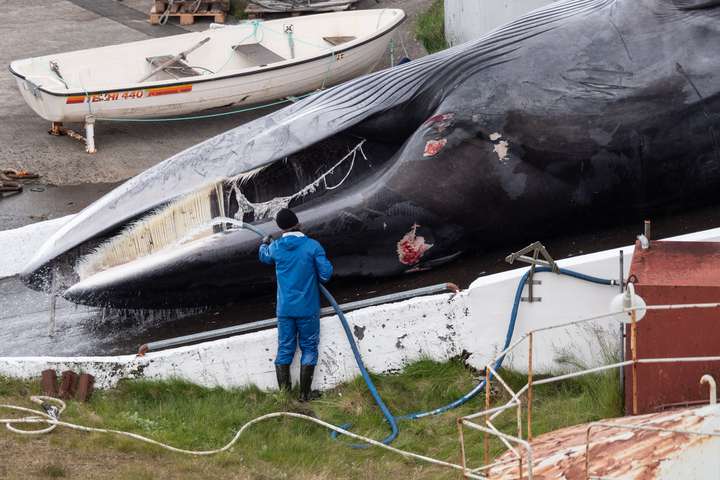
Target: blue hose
(366,376)
(392,420)
(508,338)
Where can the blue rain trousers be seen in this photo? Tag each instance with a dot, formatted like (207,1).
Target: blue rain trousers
(294,330)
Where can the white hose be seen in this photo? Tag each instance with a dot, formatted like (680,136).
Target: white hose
(42,417)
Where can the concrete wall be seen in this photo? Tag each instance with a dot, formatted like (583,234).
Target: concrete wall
(467,20)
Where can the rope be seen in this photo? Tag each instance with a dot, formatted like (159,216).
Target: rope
(402,44)
(392,52)
(166,14)
(52,420)
(256,25)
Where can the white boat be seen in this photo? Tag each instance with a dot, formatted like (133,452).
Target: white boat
(250,63)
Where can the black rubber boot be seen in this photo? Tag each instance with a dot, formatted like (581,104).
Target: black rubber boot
(283,377)
(306,378)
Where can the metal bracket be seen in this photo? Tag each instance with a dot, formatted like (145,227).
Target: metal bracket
(537,249)
(528,299)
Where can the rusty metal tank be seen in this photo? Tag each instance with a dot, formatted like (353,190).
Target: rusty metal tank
(675,273)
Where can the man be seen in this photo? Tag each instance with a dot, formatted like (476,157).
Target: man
(299,263)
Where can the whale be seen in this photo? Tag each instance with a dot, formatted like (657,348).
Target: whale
(583,109)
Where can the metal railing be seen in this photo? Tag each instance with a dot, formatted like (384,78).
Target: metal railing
(483,421)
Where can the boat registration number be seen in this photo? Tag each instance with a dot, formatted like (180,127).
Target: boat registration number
(128,94)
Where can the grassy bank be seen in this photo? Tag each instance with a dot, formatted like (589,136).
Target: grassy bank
(430,29)
(192,417)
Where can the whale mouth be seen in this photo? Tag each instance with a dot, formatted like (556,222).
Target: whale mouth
(297,181)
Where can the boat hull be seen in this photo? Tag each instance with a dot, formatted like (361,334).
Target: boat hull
(261,86)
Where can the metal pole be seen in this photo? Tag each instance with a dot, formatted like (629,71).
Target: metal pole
(621,283)
(486,439)
(462,447)
(633,348)
(90,134)
(53,302)
(530,385)
(520,467)
(272,322)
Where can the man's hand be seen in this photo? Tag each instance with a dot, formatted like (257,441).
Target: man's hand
(267,240)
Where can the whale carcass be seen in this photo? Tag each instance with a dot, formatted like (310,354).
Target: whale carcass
(582,108)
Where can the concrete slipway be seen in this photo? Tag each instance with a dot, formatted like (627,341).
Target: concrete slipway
(472,322)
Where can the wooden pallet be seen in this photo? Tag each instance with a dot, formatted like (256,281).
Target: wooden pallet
(184,9)
(257,11)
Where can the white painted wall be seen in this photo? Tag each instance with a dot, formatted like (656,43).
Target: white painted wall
(467,20)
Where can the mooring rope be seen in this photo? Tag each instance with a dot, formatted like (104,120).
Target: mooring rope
(209,115)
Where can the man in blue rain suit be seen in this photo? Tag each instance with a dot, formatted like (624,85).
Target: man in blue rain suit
(300,262)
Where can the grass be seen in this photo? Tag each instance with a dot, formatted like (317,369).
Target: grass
(53,471)
(237,9)
(193,417)
(430,28)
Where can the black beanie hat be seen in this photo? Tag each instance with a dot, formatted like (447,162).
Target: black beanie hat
(286,219)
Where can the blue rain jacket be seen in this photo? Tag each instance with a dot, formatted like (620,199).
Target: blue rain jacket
(299,263)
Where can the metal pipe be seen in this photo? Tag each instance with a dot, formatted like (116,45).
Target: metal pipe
(679,359)
(621,283)
(486,437)
(272,322)
(485,413)
(713,387)
(648,230)
(581,373)
(519,441)
(633,351)
(507,444)
(463,458)
(53,302)
(90,134)
(530,387)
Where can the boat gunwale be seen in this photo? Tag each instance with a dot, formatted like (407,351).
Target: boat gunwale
(256,70)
